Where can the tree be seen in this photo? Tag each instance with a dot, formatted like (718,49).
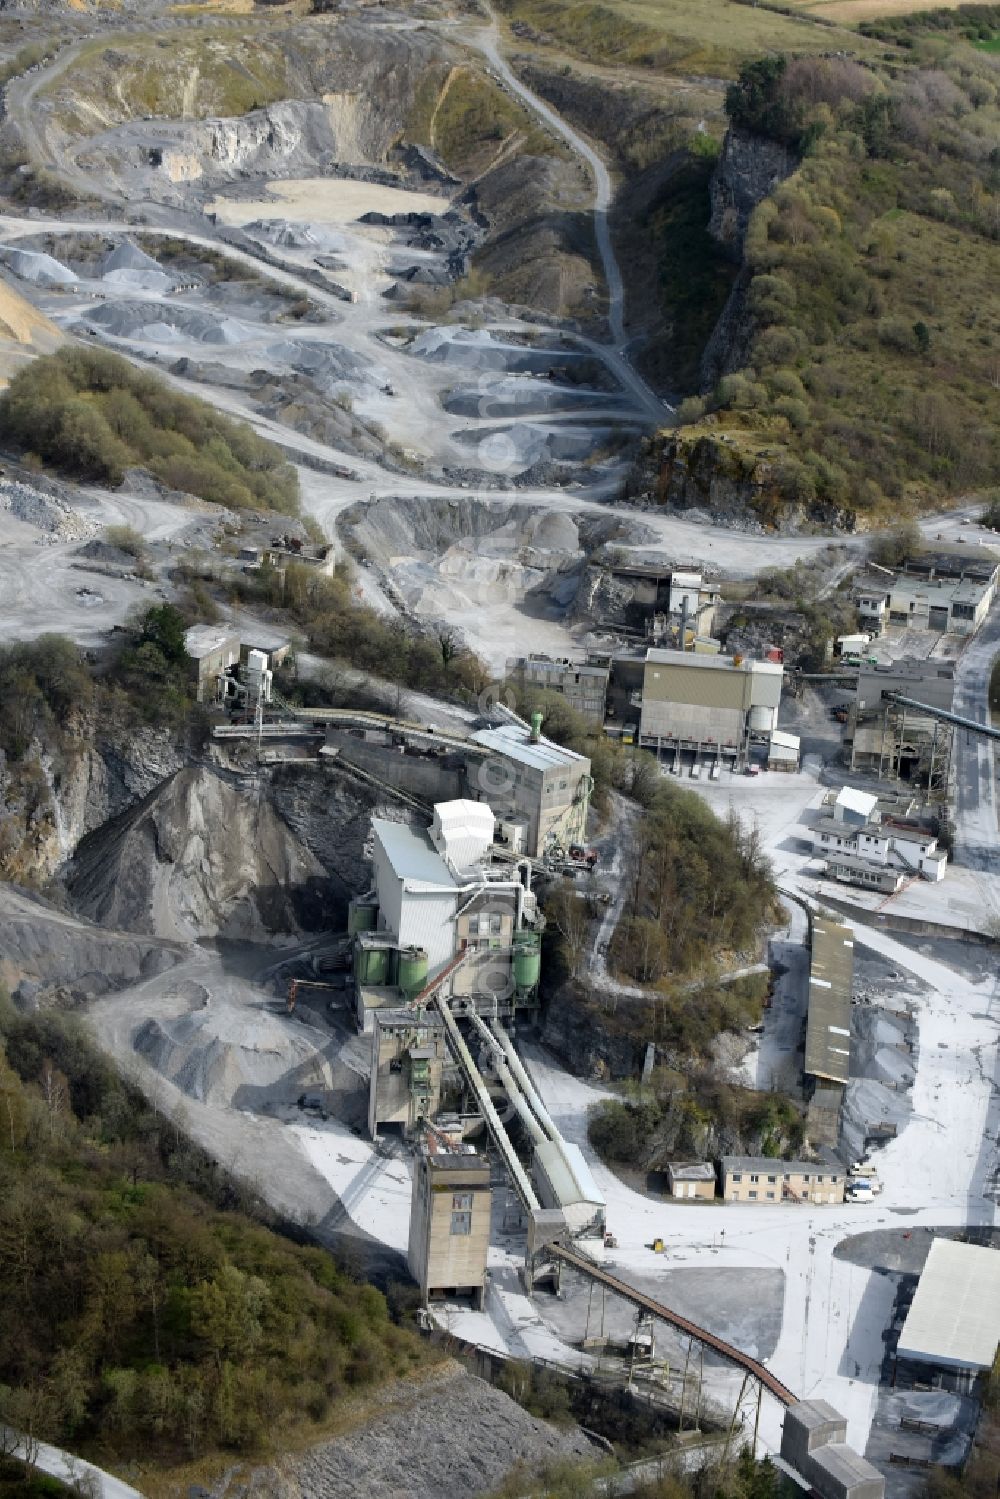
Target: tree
(164,627)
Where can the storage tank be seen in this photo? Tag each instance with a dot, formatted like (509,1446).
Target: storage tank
(527,963)
(412,971)
(361,916)
(372,965)
(762,719)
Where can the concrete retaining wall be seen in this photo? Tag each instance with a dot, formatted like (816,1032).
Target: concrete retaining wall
(423,776)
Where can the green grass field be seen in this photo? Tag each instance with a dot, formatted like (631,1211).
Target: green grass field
(676,36)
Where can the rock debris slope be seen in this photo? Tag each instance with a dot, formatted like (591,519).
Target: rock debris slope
(201,856)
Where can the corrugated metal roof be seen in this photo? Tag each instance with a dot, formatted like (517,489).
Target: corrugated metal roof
(568,1174)
(412,855)
(515,743)
(781,740)
(831,984)
(954,1318)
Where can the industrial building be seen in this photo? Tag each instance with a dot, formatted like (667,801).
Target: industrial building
(704,702)
(450,1223)
(814,1445)
(211,651)
(691,1180)
(895,741)
(585,687)
(563,1180)
(539,791)
(856,828)
(784,751)
(943,591)
(409,1059)
(445,899)
(952,1329)
(831,987)
(763,1179)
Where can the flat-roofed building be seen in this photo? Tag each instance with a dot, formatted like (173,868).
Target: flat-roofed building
(953,1324)
(528,777)
(584,686)
(698,700)
(956,606)
(691,1179)
(848,869)
(765,1179)
(831,986)
(211,651)
(450,1224)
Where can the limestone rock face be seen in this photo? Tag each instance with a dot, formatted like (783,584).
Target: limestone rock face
(750,167)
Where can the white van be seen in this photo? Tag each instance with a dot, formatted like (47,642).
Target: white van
(866,1172)
(859,1190)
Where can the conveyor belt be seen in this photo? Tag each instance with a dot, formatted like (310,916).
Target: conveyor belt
(701,1334)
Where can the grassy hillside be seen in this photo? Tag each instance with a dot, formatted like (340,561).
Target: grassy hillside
(142,1313)
(674,36)
(185,75)
(873,382)
(92,415)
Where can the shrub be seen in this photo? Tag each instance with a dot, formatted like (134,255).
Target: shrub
(92,415)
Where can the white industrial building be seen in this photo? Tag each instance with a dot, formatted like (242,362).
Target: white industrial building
(953,1324)
(440,896)
(854,834)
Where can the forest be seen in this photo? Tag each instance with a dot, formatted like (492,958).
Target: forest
(146,1307)
(92,416)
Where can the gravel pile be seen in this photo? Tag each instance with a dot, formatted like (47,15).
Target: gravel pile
(53,516)
(165,323)
(450,1437)
(39,269)
(221,1048)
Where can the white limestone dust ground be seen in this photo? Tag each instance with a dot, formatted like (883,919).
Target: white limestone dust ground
(374,1189)
(325,200)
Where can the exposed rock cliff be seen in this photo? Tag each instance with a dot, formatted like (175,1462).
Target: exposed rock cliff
(749,168)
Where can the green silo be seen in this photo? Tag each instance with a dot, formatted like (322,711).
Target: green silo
(372,965)
(412,971)
(527,963)
(361,916)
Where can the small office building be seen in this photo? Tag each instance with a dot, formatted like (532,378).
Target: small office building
(691,1180)
(764,1179)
